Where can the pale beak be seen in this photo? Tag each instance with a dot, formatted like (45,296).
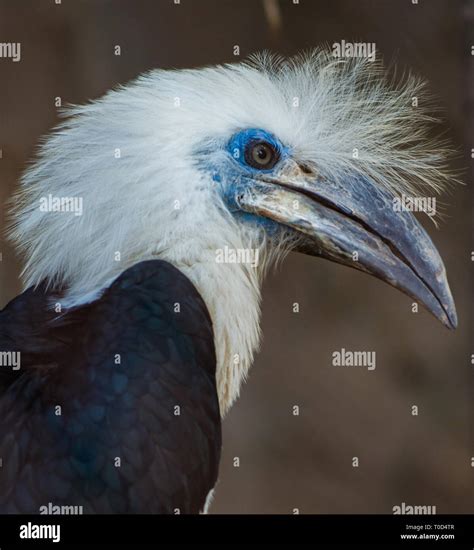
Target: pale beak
(354,223)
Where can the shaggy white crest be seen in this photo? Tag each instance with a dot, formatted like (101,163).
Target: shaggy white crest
(130,156)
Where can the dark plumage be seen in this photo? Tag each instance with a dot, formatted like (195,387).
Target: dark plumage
(109,410)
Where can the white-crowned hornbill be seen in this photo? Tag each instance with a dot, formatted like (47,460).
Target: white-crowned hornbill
(134,333)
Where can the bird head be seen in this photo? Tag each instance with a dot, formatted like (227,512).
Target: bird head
(316,155)
(305,154)
(350,219)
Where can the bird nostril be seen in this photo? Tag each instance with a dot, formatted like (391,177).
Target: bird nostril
(305,168)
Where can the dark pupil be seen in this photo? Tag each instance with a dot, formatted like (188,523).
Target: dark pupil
(262,154)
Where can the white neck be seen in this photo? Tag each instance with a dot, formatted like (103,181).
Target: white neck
(232,295)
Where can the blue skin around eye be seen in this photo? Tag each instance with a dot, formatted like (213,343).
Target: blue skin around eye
(238,142)
(234,174)
(240,173)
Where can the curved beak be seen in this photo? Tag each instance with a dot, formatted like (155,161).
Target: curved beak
(355,224)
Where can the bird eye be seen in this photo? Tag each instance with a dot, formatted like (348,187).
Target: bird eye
(261,155)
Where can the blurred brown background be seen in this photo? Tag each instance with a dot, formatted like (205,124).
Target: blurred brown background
(287,461)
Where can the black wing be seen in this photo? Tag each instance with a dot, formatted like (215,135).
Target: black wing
(115,406)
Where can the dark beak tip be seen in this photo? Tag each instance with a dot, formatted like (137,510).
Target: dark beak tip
(448,315)
(448,305)
(452,319)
